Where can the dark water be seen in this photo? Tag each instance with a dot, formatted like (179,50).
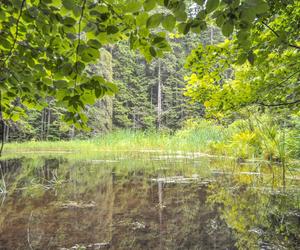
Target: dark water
(146,202)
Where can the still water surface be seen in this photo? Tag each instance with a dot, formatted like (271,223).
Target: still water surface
(146,201)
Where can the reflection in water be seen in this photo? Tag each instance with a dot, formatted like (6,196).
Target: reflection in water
(55,203)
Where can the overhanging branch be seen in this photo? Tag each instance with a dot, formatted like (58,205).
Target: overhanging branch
(276,34)
(278,104)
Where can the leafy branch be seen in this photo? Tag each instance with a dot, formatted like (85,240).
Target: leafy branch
(276,34)
(16,33)
(79,39)
(278,104)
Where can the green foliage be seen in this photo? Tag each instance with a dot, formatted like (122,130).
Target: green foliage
(135,104)
(46,45)
(226,77)
(260,136)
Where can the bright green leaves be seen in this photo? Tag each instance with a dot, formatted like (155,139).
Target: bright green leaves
(211,5)
(133,6)
(149,5)
(154,20)
(169,22)
(141,19)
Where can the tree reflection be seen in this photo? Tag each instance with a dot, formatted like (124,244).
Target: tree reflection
(261,216)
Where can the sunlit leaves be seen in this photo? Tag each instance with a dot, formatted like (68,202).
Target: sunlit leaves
(169,22)
(56,40)
(154,20)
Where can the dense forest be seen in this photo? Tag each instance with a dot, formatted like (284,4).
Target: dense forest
(150,95)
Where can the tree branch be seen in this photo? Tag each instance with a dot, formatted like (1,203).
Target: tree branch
(278,104)
(16,33)
(276,34)
(79,39)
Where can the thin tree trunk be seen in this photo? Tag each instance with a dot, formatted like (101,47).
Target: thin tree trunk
(42,124)
(6,133)
(48,122)
(72,132)
(211,35)
(159,96)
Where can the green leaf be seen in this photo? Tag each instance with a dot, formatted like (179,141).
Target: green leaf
(242,58)
(133,6)
(180,12)
(94,44)
(227,28)
(220,20)
(90,54)
(149,5)
(247,14)
(152,51)
(68,4)
(4,43)
(201,15)
(142,18)
(111,29)
(60,84)
(200,2)
(158,39)
(154,20)
(211,5)
(2,15)
(169,22)
(79,66)
(184,28)
(262,8)
(69,21)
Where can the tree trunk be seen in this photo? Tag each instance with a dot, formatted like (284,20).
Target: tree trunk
(211,35)
(159,96)
(48,122)
(42,124)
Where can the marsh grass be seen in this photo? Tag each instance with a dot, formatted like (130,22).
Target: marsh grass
(194,137)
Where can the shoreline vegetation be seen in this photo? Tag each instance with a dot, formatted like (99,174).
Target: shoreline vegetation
(200,137)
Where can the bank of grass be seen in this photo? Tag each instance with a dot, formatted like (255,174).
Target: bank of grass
(258,140)
(195,137)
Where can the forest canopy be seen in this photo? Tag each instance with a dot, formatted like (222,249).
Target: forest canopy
(46,46)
